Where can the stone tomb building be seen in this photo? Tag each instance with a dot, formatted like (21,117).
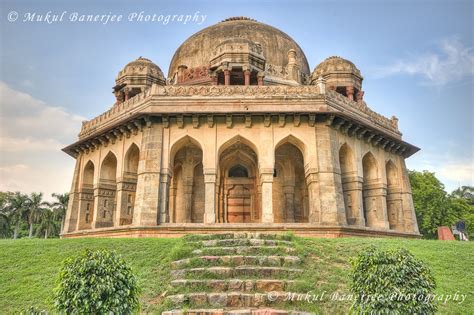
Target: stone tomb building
(241,136)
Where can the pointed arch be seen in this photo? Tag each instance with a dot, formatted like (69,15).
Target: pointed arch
(394,197)
(391,171)
(88,174)
(370,167)
(346,160)
(238,198)
(348,178)
(183,142)
(132,156)
(238,139)
(108,169)
(289,189)
(126,193)
(186,193)
(86,197)
(294,141)
(107,197)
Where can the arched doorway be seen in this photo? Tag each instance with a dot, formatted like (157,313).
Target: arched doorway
(129,184)
(187,184)
(86,198)
(238,188)
(394,198)
(107,204)
(290,193)
(372,207)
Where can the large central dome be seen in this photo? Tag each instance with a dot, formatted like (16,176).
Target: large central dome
(197,50)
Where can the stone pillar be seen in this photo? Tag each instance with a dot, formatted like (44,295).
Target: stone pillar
(148,180)
(408,209)
(121,203)
(289,192)
(353,200)
(375,203)
(165,177)
(210,196)
(266,181)
(226,77)
(314,215)
(329,177)
(360,96)
(187,199)
(72,213)
(350,92)
(260,77)
(247,77)
(395,209)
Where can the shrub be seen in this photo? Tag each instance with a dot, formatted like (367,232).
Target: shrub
(96,282)
(391,282)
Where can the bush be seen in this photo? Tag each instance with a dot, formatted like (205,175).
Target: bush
(391,282)
(96,282)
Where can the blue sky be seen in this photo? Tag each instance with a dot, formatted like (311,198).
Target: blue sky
(416,57)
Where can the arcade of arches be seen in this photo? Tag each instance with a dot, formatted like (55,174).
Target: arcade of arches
(372,197)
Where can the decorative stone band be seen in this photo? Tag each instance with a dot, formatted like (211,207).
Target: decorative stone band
(306,91)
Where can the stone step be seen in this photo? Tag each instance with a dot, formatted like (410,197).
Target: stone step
(244,250)
(244,242)
(249,285)
(235,272)
(237,260)
(227,299)
(204,237)
(248,311)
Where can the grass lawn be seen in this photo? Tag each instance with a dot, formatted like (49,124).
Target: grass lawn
(28,269)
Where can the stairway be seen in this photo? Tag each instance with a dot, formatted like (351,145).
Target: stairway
(235,274)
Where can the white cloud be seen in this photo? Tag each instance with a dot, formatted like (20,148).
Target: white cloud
(451,168)
(32,134)
(451,62)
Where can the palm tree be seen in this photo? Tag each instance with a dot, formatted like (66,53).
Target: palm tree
(466,192)
(59,207)
(17,210)
(36,206)
(47,223)
(4,214)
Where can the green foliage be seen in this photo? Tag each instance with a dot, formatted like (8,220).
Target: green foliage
(97,282)
(435,208)
(27,215)
(391,282)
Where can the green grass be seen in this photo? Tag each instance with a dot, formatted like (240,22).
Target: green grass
(28,269)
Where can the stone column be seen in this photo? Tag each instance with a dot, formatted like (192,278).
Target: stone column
(247,77)
(266,181)
(148,179)
(289,192)
(329,177)
(375,202)
(226,77)
(187,199)
(72,215)
(409,215)
(314,215)
(210,196)
(352,188)
(260,77)
(350,92)
(121,202)
(165,177)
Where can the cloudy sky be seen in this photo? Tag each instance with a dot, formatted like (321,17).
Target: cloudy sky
(416,57)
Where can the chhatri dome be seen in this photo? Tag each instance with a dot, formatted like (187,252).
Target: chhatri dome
(241,42)
(240,136)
